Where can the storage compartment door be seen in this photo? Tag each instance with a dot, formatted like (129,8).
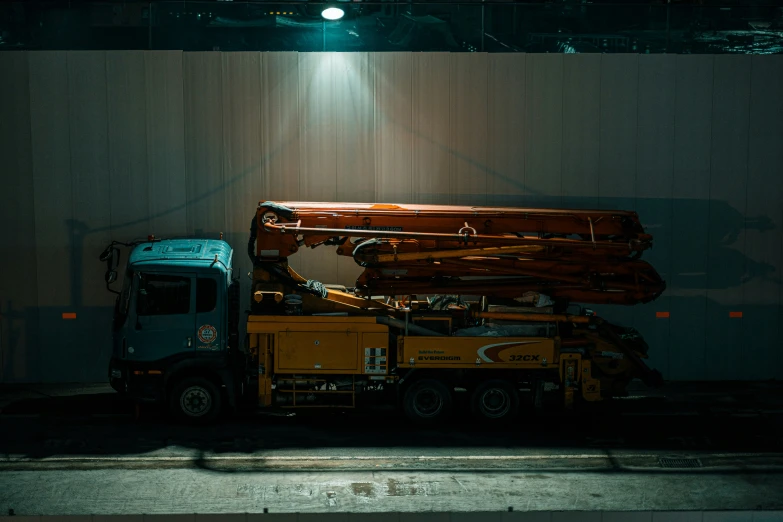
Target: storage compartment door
(313,351)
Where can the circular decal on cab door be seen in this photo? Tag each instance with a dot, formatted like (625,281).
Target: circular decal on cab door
(207,334)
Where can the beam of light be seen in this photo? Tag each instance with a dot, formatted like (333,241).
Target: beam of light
(332,13)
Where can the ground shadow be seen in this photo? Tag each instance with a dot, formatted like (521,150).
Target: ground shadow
(104,423)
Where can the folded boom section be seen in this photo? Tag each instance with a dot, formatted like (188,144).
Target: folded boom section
(573,255)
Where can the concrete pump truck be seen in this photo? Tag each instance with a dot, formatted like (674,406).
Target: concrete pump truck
(468,301)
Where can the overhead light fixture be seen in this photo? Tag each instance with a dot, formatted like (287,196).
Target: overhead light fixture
(332,13)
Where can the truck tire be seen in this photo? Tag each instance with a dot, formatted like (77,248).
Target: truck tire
(428,401)
(196,400)
(495,401)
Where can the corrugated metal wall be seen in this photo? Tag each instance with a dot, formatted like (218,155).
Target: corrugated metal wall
(114,145)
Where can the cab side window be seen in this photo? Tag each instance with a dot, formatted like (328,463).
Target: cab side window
(206,295)
(163,295)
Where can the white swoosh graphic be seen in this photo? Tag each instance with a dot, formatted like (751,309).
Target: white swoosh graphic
(487,347)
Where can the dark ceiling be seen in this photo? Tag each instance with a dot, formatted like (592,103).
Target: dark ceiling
(570,26)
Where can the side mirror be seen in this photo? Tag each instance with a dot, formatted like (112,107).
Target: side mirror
(107,254)
(111,276)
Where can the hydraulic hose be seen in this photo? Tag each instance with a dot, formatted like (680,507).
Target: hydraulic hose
(362,245)
(412,328)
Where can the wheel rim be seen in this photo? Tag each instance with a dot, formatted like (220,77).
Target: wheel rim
(427,403)
(495,403)
(195,401)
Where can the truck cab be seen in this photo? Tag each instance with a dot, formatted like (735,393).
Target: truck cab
(175,333)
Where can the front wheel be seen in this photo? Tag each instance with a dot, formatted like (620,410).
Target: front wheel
(495,401)
(428,401)
(196,400)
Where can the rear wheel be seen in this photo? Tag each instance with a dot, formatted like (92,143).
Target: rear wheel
(428,401)
(495,401)
(196,400)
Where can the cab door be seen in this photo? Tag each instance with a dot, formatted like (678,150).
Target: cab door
(210,326)
(163,316)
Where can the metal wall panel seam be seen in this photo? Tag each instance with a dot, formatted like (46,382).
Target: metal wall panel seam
(635,310)
(410,131)
(636,154)
(745,218)
(266,159)
(223,189)
(185,140)
(524,123)
(70,156)
(562,131)
(108,141)
(450,168)
(264,101)
(488,168)
(71,249)
(302,133)
(223,72)
(340,132)
(378,116)
(376,134)
(37,346)
(709,214)
(147,138)
(671,220)
(600,106)
(416,150)
(529,69)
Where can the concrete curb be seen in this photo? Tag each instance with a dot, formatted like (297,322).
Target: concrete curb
(650,462)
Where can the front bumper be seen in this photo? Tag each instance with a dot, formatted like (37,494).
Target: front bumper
(135,381)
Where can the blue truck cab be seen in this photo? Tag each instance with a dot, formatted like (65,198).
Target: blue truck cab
(175,332)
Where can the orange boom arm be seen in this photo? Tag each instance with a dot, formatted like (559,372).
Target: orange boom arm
(575,255)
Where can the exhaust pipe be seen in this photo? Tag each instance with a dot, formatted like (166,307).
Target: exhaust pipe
(412,328)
